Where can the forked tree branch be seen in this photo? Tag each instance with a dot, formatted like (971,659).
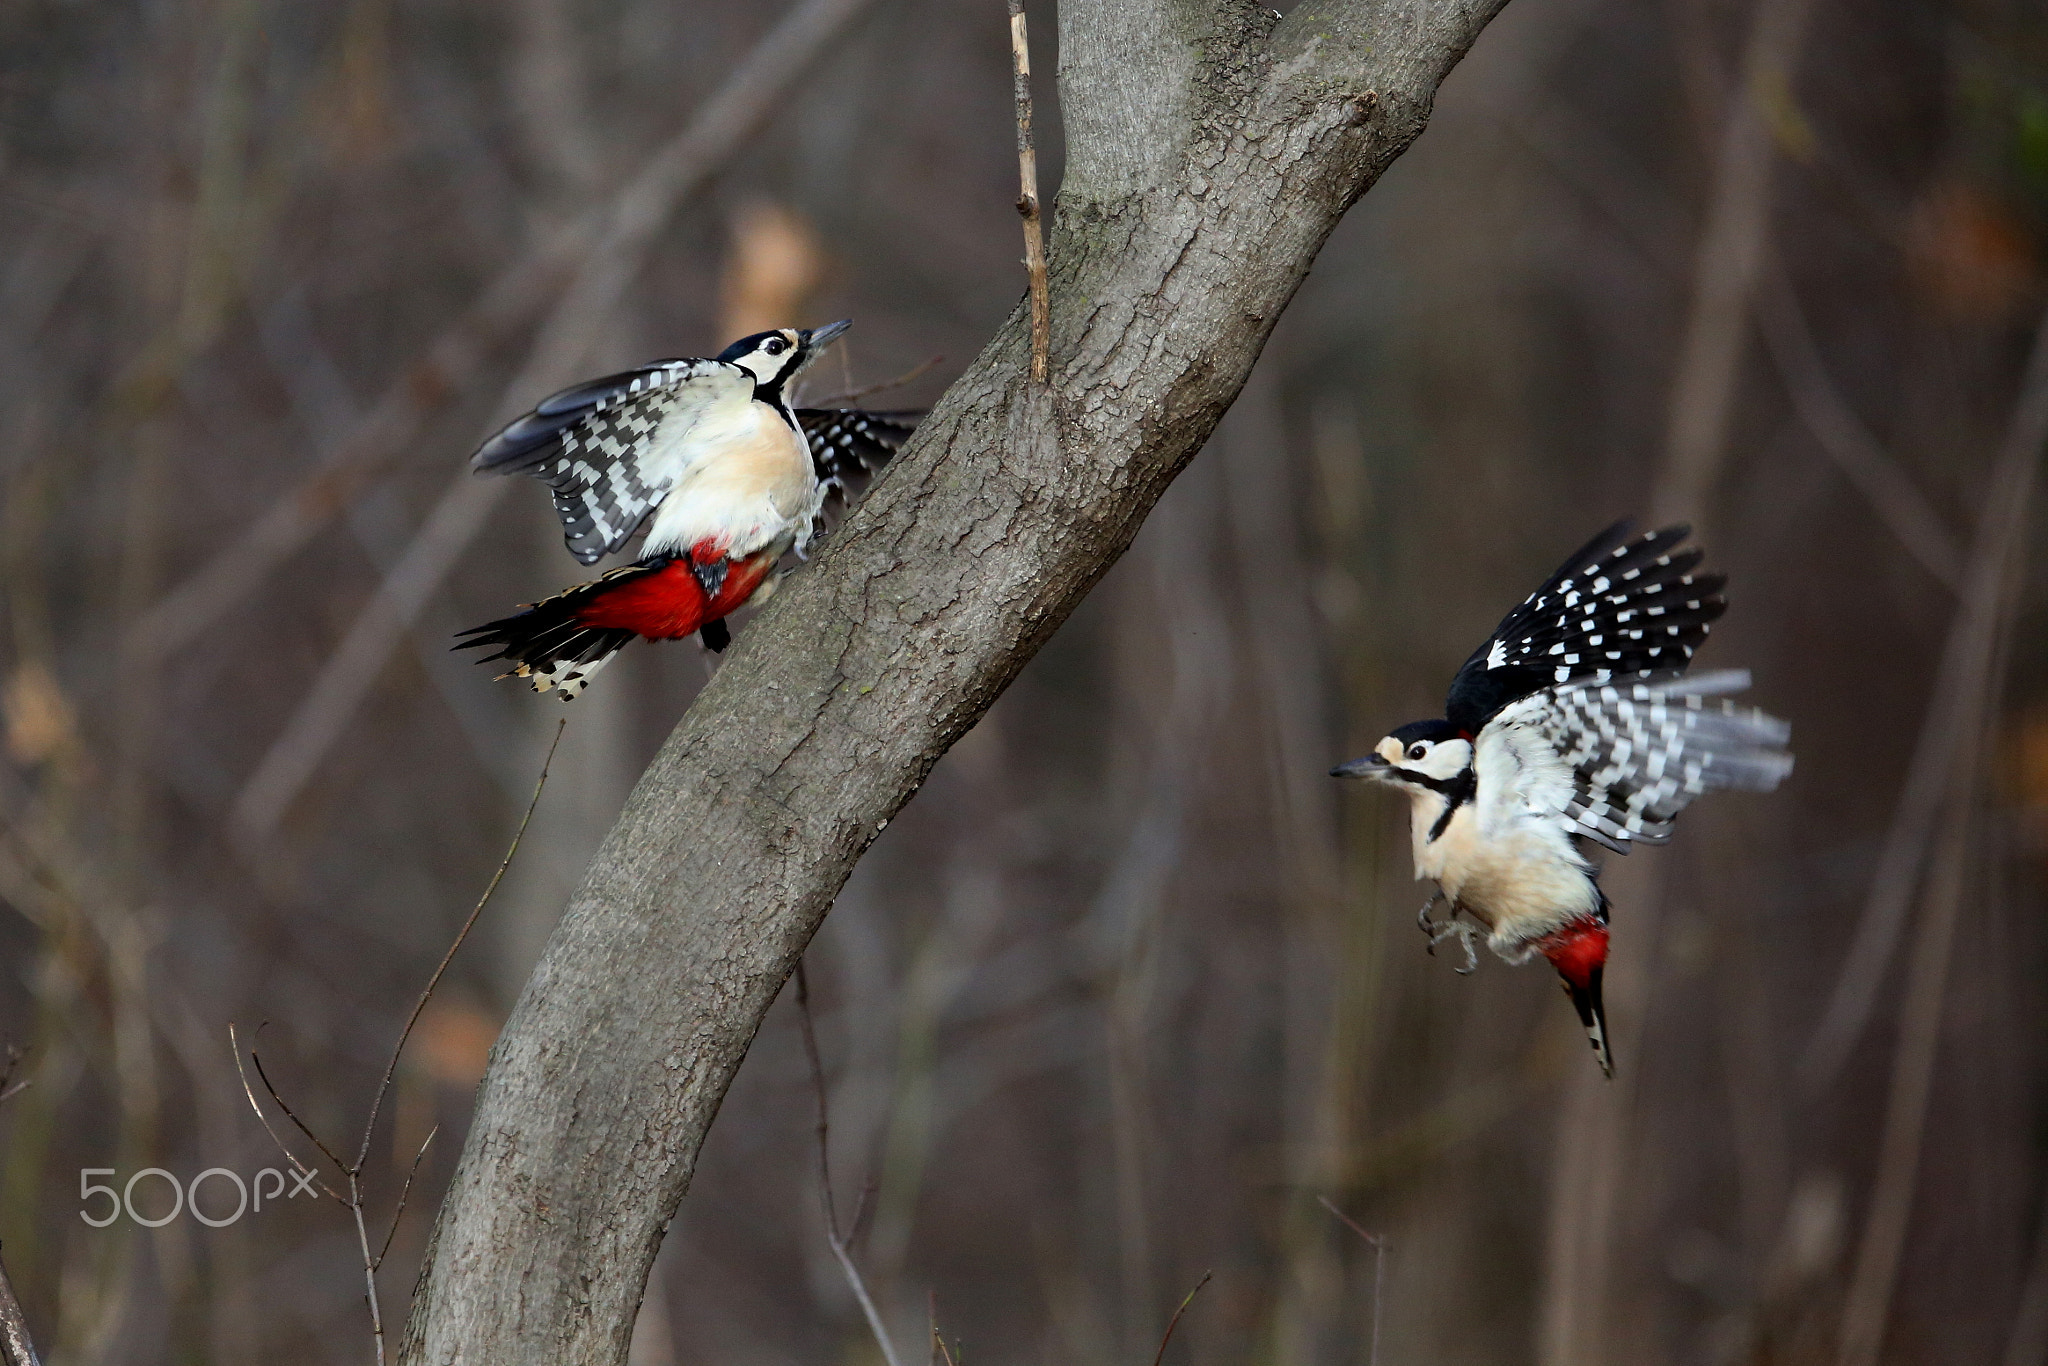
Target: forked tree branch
(351,1174)
(1212,147)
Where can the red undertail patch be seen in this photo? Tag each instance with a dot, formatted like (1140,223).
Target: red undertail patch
(670,603)
(1577,951)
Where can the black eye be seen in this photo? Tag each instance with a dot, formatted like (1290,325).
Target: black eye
(1417,750)
(776,346)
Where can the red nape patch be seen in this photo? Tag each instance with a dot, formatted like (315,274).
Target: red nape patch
(1576,951)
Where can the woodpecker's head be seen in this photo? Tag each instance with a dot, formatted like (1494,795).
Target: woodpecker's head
(775,358)
(1423,755)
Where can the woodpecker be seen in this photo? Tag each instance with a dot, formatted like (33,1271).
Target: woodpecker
(732,476)
(1573,724)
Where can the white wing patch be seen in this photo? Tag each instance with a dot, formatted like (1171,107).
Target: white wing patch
(1638,754)
(609,448)
(612,472)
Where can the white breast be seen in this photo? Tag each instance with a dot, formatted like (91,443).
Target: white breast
(744,482)
(1504,856)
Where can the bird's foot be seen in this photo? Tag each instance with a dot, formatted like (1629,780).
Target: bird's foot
(1451,928)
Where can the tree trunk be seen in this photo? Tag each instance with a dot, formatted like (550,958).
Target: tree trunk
(1212,147)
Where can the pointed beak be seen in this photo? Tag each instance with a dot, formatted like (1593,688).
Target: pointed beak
(818,338)
(1371,766)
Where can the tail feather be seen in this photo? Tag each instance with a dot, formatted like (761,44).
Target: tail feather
(1578,950)
(549,644)
(561,641)
(1593,1015)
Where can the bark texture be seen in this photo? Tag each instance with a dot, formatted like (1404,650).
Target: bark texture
(1212,148)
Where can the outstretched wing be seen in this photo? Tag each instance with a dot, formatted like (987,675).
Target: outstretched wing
(848,448)
(1638,753)
(609,448)
(1618,607)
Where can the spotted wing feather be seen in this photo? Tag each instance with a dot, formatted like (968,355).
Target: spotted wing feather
(604,446)
(1639,752)
(1617,609)
(849,448)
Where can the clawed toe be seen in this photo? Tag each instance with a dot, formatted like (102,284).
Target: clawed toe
(1453,928)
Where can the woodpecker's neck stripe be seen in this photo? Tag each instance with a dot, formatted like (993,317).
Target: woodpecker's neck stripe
(1457,787)
(1458,790)
(771,394)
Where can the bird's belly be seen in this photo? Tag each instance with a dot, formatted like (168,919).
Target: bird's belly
(1521,883)
(757,489)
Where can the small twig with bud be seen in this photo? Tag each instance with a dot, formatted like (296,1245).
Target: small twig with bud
(352,1172)
(1027,198)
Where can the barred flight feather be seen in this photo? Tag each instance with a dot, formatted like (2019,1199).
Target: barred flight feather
(849,447)
(1640,752)
(600,446)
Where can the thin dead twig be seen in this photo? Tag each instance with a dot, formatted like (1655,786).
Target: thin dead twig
(275,1099)
(405,1191)
(842,1250)
(1174,1322)
(352,1172)
(1378,1243)
(721,128)
(302,1168)
(939,1350)
(511,850)
(1027,196)
(897,383)
(16,1346)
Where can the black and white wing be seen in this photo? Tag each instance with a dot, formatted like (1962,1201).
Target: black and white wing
(1619,608)
(849,448)
(609,448)
(1637,753)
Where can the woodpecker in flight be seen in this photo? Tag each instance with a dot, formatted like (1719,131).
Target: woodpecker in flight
(1573,723)
(733,477)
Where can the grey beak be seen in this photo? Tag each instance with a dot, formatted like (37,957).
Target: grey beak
(1371,766)
(818,338)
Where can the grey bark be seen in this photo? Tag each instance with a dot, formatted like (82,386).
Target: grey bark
(1212,147)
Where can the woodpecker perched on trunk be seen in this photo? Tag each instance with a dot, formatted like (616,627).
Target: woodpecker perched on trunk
(732,475)
(1573,722)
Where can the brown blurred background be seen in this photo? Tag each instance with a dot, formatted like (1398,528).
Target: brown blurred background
(1132,983)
